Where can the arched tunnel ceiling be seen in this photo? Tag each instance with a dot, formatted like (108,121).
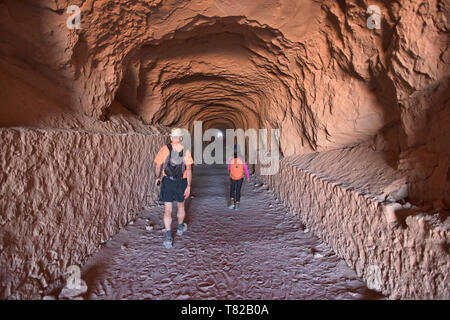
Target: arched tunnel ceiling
(220,69)
(99,101)
(310,68)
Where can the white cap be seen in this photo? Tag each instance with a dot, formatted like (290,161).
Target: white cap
(177,132)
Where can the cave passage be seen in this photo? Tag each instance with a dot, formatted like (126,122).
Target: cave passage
(357,93)
(261,251)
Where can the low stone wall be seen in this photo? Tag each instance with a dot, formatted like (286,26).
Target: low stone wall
(63,193)
(405,260)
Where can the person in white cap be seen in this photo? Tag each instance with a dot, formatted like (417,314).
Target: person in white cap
(176,182)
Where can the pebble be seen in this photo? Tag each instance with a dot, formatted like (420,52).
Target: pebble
(71,294)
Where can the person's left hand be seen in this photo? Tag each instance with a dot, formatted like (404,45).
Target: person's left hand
(187,192)
(248,180)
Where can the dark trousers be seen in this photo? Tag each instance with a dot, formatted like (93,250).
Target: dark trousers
(235,189)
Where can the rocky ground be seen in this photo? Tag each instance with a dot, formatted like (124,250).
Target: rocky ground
(261,251)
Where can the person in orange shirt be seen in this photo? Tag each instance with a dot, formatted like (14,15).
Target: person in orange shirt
(237,167)
(176,182)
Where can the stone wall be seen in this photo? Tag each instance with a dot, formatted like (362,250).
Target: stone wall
(63,193)
(314,68)
(402,253)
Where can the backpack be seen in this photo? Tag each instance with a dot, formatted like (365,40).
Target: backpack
(236,169)
(174,169)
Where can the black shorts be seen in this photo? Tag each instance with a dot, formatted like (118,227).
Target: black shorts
(172,190)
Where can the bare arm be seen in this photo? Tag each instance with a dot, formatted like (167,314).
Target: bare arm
(246,171)
(187,192)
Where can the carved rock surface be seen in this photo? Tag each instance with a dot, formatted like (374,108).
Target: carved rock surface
(313,68)
(64,192)
(82,109)
(401,253)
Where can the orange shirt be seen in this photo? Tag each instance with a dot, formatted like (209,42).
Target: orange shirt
(164,153)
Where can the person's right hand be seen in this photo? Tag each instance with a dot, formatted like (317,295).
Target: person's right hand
(157,182)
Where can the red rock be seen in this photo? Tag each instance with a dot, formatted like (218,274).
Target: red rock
(83,99)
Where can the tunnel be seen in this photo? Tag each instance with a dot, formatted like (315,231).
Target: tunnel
(340,109)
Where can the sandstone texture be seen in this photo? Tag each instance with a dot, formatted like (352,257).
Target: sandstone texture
(407,246)
(63,193)
(83,111)
(313,68)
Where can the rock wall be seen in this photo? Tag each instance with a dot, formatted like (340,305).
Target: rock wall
(63,193)
(399,250)
(311,67)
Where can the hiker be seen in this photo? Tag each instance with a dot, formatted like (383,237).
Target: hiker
(176,182)
(236,166)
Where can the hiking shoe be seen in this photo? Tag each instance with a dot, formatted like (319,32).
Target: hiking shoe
(236,206)
(168,241)
(181,228)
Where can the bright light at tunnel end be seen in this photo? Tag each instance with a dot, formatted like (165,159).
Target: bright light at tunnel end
(254,145)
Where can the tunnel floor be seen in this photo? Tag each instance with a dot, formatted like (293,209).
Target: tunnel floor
(261,251)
